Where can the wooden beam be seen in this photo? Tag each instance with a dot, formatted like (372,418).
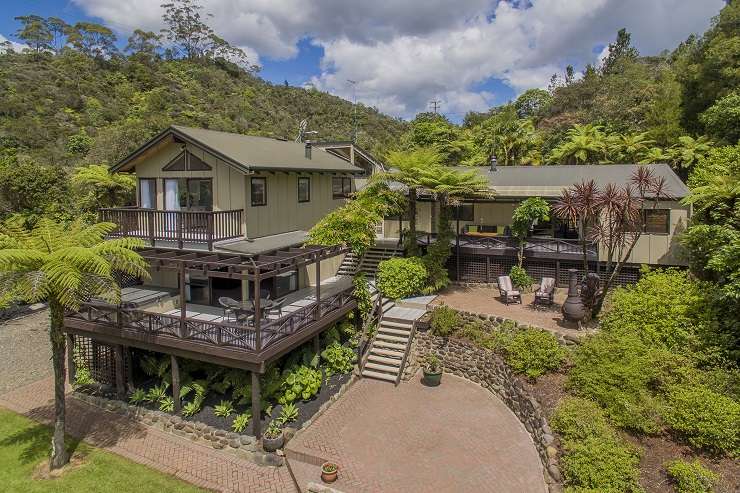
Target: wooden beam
(176,383)
(256,406)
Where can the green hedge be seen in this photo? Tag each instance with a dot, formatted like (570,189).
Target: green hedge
(691,477)
(401,277)
(534,352)
(444,321)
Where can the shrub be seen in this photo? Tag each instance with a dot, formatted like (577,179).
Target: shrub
(362,295)
(520,278)
(339,359)
(137,396)
(534,352)
(240,422)
(224,409)
(401,277)
(300,382)
(444,321)
(705,418)
(288,413)
(691,477)
(167,404)
(480,334)
(594,457)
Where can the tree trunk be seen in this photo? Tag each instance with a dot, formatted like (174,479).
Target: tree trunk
(59,456)
(411,245)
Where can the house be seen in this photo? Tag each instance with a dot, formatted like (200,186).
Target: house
(225,218)
(483,247)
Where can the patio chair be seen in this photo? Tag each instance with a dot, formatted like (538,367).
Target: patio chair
(508,293)
(545,295)
(230,305)
(277,307)
(265,294)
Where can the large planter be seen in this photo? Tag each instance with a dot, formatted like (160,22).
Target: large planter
(432,378)
(573,308)
(329,472)
(272,444)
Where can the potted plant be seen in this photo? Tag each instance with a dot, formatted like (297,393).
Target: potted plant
(329,472)
(432,370)
(273,438)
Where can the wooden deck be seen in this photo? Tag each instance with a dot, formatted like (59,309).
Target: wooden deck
(535,247)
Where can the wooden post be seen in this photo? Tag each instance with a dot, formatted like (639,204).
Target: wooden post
(118,359)
(256,406)
(316,344)
(183,299)
(129,368)
(176,383)
(179,216)
(71,365)
(150,221)
(457,246)
(488,269)
(400,228)
(318,288)
(257,314)
(210,220)
(557,272)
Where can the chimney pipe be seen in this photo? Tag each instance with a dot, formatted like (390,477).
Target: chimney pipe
(308,149)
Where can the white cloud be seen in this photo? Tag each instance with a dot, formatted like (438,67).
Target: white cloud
(13,45)
(404,53)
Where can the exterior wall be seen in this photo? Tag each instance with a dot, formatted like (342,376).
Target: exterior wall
(283,212)
(329,268)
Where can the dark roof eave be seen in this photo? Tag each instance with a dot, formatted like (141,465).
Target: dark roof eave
(306,170)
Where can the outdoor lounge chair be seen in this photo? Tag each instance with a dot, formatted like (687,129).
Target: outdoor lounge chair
(230,305)
(508,293)
(277,307)
(545,295)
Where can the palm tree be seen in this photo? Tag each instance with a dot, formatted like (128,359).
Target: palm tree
(629,148)
(408,167)
(584,144)
(449,186)
(65,265)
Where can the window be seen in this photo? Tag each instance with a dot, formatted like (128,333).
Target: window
(304,189)
(188,194)
(259,191)
(341,187)
(148,193)
(657,221)
(463,212)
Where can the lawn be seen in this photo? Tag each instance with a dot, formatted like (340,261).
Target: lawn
(24,444)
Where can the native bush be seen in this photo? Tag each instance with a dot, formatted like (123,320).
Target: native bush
(138,396)
(288,413)
(691,477)
(167,404)
(401,277)
(520,278)
(594,457)
(240,422)
(362,295)
(534,352)
(224,409)
(444,321)
(704,417)
(339,359)
(300,382)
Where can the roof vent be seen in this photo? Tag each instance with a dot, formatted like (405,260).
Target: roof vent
(308,149)
(493,163)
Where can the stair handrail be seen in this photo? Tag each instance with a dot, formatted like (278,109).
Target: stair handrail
(406,353)
(377,314)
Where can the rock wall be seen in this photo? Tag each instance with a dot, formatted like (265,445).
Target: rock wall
(489,370)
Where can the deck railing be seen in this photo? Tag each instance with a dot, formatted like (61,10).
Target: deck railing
(230,334)
(176,226)
(555,246)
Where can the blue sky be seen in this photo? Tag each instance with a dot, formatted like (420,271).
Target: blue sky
(468,54)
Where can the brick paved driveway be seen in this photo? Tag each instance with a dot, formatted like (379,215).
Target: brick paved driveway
(454,438)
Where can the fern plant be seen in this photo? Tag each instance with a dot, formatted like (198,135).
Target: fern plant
(138,396)
(240,422)
(64,264)
(224,409)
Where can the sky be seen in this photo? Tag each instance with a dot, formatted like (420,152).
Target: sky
(403,54)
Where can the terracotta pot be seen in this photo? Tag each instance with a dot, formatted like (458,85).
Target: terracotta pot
(573,308)
(329,477)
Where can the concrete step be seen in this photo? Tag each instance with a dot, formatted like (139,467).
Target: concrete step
(392,370)
(384,359)
(396,325)
(385,352)
(395,332)
(379,375)
(391,345)
(390,337)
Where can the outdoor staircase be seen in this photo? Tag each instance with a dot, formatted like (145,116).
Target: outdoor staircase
(349,265)
(368,263)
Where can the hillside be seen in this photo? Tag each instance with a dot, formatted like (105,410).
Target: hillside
(71,108)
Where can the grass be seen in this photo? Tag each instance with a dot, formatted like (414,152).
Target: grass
(24,445)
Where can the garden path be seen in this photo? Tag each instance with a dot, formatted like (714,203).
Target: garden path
(457,437)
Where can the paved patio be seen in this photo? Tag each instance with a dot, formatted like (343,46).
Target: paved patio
(485,299)
(457,437)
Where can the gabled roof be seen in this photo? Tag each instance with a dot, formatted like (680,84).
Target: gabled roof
(247,153)
(550,181)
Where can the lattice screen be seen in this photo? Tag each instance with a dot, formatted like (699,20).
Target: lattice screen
(99,358)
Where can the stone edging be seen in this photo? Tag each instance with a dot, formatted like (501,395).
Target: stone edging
(242,446)
(489,370)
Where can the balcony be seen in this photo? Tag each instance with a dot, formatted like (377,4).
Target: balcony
(535,247)
(175,227)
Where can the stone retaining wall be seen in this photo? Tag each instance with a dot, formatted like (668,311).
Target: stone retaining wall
(489,370)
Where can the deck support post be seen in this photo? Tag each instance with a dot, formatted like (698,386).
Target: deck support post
(256,406)
(400,229)
(557,272)
(257,313)
(316,344)
(71,365)
(183,299)
(176,383)
(120,378)
(129,368)
(318,288)
(457,245)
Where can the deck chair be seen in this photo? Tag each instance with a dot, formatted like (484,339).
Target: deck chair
(545,295)
(507,291)
(230,305)
(277,307)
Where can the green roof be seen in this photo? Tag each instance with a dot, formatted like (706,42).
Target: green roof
(250,153)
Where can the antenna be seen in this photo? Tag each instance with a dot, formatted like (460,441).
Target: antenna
(354,110)
(435,103)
